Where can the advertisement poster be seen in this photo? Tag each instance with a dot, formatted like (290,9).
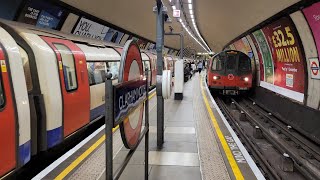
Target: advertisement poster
(240,46)
(142,43)
(113,36)
(8,9)
(41,14)
(259,56)
(266,56)
(124,39)
(151,46)
(312,15)
(286,51)
(88,28)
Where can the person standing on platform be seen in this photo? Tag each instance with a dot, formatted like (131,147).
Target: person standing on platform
(200,66)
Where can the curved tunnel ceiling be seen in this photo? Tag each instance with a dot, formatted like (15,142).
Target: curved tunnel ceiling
(219,21)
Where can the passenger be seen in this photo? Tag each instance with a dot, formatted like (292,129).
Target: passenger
(193,67)
(200,66)
(187,72)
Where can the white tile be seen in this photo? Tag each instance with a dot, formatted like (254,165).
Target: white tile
(173,158)
(180,130)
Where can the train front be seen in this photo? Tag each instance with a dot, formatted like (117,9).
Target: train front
(230,73)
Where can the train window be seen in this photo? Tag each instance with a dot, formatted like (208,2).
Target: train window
(96,72)
(113,67)
(217,63)
(69,69)
(2,98)
(146,64)
(244,62)
(231,62)
(26,68)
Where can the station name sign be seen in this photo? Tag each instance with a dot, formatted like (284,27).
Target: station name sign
(127,97)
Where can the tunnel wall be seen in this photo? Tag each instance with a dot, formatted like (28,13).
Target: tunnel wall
(286,55)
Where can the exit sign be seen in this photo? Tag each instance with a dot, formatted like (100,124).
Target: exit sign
(176,13)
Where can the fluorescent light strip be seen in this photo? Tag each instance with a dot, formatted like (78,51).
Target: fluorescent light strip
(190,6)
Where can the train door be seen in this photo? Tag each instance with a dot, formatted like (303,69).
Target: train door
(74,84)
(8,159)
(230,68)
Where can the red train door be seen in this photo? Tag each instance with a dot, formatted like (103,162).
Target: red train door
(8,157)
(74,84)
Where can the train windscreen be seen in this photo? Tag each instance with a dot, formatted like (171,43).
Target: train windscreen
(231,62)
(244,62)
(217,63)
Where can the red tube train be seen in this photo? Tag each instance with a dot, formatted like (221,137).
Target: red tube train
(51,86)
(230,73)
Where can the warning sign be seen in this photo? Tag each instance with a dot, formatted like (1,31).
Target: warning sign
(314,68)
(3,66)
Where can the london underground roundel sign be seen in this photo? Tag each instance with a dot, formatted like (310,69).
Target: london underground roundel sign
(131,69)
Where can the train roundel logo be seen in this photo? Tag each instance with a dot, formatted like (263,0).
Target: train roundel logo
(230,76)
(130,69)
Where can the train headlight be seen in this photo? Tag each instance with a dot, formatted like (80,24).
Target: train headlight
(216,77)
(246,79)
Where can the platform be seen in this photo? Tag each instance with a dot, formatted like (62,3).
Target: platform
(199,144)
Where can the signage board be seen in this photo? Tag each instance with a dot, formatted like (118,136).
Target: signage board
(130,95)
(176,13)
(314,67)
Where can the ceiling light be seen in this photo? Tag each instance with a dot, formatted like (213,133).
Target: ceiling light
(189,1)
(190,6)
(190,11)
(173,7)
(192,16)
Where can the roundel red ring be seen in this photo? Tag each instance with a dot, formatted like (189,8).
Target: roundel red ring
(131,53)
(230,76)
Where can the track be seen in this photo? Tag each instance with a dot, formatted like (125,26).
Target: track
(279,150)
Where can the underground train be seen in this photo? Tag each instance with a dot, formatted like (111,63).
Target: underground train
(230,73)
(51,86)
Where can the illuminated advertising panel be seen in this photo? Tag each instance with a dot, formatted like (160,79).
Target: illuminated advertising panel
(266,56)
(259,56)
(88,28)
(113,36)
(312,15)
(41,14)
(286,50)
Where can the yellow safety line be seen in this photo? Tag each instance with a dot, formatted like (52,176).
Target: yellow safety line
(76,162)
(234,166)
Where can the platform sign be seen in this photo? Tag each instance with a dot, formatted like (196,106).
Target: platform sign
(314,67)
(130,95)
(176,13)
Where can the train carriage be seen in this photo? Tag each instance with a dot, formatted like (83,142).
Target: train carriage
(51,86)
